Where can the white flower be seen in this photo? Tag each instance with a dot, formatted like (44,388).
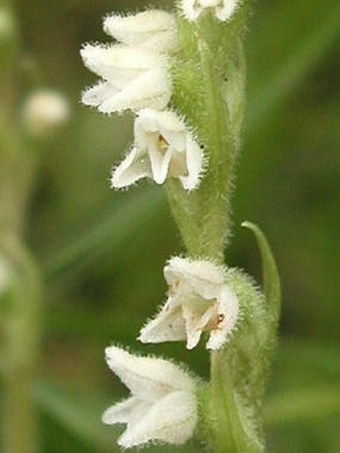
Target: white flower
(223,9)
(162,406)
(198,301)
(151,29)
(163,147)
(44,111)
(134,78)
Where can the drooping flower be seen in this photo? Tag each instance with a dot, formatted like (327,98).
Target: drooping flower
(151,29)
(163,147)
(162,406)
(199,301)
(223,9)
(134,78)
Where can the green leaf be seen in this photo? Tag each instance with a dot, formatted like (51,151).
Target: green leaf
(271,279)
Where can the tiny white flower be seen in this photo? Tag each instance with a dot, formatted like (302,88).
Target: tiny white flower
(44,111)
(163,147)
(199,301)
(162,406)
(134,78)
(151,29)
(223,9)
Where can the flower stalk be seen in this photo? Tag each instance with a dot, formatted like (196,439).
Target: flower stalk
(190,142)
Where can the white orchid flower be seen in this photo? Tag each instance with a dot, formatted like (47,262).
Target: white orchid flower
(223,9)
(134,78)
(151,29)
(162,406)
(199,301)
(164,147)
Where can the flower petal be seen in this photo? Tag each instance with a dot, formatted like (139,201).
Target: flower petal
(168,325)
(120,412)
(228,315)
(117,64)
(201,275)
(135,166)
(171,419)
(147,378)
(152,29)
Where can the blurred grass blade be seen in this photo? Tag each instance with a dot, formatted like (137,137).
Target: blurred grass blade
(302,61)
(123,223)
(304,404)
(77,417)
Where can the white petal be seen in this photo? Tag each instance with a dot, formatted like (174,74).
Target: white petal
(194,160)
(225,12)
(154,29)
(120,412)
(135,166)
(168,325)
(159,164)
(228,315)
(147,378)
(172,419)
(96,95)
(191,9)
(117,64)
(202,275)
(152,88)
(196,319)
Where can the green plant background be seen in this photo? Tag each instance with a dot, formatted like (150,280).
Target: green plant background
(102,252)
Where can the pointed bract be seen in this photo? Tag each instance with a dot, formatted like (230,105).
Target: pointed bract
(162,406)
(164,147)
(151,29)
(199,301)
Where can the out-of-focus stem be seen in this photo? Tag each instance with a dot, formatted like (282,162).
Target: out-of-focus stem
(21,305)
(22,343)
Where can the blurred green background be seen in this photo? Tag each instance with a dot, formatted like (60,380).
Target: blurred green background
(102,252)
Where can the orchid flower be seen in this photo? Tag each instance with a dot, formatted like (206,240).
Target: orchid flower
(199,301)
(162,406)
(164,147)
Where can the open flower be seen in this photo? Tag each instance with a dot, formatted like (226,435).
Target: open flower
(134,78)
(162,406)
(163,147)
(223,9)
(151,29)
(199,301)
